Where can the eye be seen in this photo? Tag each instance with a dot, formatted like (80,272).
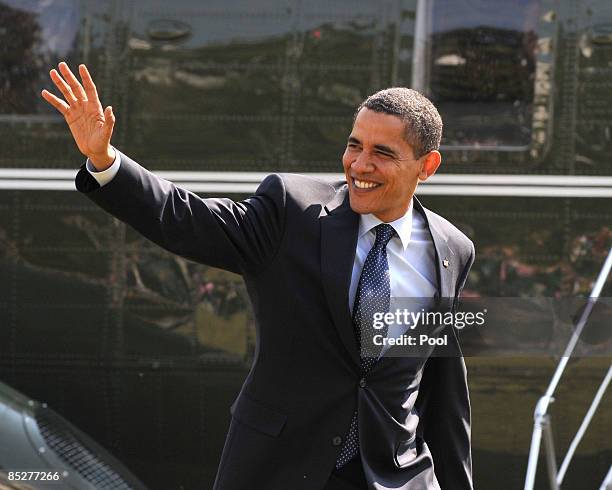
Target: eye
(383,154)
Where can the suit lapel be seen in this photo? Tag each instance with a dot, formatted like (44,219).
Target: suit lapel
(339,229)
(445,260)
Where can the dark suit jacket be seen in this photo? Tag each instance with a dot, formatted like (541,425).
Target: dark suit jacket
(294,243)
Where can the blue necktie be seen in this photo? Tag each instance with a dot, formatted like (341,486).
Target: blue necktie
(373,295)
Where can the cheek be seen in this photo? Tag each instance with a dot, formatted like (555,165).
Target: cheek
(346,160)
(395,186)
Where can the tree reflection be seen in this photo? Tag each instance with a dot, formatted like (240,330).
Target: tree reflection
(34,36)
(20,63)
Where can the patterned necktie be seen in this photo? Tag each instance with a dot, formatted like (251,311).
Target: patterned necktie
(373,295)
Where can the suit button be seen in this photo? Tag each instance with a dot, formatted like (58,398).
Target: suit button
(362,383)
(337,440)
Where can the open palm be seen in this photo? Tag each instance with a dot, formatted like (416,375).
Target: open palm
(91,127)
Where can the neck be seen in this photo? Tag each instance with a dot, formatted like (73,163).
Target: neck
(391,215)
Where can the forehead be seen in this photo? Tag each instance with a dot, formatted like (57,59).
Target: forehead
(371,127)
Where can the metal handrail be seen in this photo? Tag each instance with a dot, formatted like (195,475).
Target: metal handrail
(607,483)
(542,419)
(584,425)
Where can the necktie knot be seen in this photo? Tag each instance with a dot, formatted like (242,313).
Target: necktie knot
(384,233)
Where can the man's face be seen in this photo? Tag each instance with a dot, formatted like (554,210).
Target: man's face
(380,167)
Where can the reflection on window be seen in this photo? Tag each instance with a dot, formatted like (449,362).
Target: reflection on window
(478,62)
(34,35)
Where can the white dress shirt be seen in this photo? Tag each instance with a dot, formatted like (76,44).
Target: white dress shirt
(105,176)
(411,259)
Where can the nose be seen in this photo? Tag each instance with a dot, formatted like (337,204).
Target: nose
(362,164)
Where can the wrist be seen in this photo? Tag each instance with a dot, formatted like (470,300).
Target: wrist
(103,161)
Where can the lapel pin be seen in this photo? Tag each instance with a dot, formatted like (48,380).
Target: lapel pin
(445,262)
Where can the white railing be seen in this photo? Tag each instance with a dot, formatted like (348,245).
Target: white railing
(542,423)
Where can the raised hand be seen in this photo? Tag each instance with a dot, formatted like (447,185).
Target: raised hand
(91,127)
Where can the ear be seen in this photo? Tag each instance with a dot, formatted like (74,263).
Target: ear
(429,164)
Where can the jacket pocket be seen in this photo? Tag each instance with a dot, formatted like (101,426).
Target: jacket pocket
(257,416)
(406,452)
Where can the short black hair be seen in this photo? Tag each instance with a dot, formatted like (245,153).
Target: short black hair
(423,122)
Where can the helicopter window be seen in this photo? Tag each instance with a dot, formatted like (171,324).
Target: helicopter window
(487,67)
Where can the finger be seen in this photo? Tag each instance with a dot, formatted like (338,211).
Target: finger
(88,83)
(62,86)
(59,104)
(76,87)
(109,121)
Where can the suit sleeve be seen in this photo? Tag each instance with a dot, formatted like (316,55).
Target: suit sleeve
(241,237)
(444,409)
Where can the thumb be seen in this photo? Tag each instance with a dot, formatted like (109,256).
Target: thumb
(109,120)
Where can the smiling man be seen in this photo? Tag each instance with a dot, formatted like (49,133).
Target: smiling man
(389,151)
(320,409)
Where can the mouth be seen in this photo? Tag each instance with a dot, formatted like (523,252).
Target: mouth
(364,185)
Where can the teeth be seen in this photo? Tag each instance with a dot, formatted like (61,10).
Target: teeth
(361,184)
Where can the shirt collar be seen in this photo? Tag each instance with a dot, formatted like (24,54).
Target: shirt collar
(402,225)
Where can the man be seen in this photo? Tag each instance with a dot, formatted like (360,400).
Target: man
(317,411)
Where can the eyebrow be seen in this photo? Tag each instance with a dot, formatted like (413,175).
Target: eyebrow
(382,148)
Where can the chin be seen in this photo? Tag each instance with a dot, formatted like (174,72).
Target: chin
(361,210)
(360,207)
